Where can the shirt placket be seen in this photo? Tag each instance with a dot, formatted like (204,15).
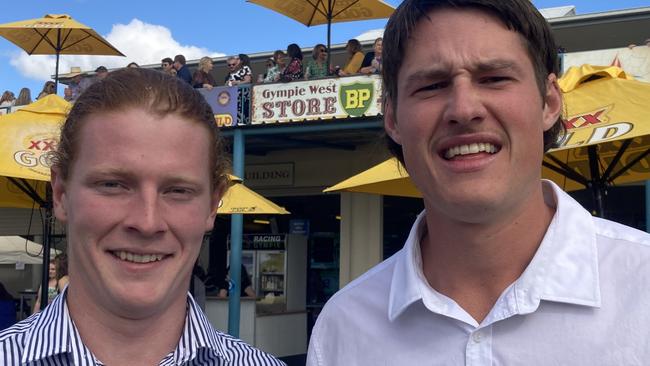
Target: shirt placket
(478,351)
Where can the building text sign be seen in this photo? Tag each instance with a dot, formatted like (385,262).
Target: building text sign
(345,97)
(269,175)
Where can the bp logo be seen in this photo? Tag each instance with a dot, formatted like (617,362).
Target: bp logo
(356,98)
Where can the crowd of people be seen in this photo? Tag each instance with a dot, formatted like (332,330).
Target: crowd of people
(283,66)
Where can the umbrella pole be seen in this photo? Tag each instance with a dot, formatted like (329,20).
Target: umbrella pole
(56,70)
(329,35)
(47,228)
(596,183)
(56,75)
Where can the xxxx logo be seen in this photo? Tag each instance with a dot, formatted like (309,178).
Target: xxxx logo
(585,119)
(36,153)
(356,98)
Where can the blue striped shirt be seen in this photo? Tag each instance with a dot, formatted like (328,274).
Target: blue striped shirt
(51,338)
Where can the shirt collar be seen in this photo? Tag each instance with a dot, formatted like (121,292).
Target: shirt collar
(564,269)
(198,333)
(54,332)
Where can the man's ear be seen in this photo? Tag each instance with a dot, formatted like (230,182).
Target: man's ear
(552,102)
(390,121)
(59,195)
(215,201)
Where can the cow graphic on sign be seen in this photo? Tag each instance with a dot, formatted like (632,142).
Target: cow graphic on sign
(356,98)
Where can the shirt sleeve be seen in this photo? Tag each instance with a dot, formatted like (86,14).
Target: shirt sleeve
(367,59)
(353,66)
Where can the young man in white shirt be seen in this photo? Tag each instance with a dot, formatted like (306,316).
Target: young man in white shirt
(501,268)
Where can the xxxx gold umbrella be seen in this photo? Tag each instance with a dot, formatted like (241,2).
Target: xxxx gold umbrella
(317,12)
(388,178)
(607,117)
(56,34)
(28,135)
(239,199)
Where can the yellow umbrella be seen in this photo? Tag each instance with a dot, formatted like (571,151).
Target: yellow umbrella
(56,34)
(29,134)
(317,12)
(388,178)
(607,116)
(239,199)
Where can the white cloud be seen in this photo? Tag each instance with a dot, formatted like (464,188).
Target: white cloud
(141,42)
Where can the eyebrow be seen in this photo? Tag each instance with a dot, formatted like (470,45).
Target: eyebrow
(441,71)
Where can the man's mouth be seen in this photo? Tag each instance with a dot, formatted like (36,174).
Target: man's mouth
(473,148)
(136,257)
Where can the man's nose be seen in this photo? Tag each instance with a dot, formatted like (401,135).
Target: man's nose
(146,214)
(464,103)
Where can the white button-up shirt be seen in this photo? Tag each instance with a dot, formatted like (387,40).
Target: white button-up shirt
(584,299)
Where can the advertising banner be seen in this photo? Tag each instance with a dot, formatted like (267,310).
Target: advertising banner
(345,97)
(223,100)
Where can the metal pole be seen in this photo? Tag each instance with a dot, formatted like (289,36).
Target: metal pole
(647,206)
(597,185)
(47,228)
(236,232)
(56,70)
(329,36)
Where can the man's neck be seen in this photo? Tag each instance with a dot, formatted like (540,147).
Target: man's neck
(474,263)
(119,340)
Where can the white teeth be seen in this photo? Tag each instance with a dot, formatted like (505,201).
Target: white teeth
(137,258)
(473,148)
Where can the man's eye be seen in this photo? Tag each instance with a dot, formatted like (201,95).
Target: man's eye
(434,86)
(109,185)
(494,79)
(180,192)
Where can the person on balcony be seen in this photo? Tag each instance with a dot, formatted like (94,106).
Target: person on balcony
(239,73)
(355,58)
(202,77)
(372,61)
(24,97)
(316,68)
(182,71)
(293,71)
(8,99)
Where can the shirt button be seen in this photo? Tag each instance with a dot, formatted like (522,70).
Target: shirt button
(477,337)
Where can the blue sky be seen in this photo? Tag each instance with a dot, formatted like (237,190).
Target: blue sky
(147,30)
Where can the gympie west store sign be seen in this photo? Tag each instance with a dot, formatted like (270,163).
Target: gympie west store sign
(345,97)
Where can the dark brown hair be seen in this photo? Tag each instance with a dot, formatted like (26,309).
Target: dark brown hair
(158,93)
(355,45)
(520,16)
(61,263)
